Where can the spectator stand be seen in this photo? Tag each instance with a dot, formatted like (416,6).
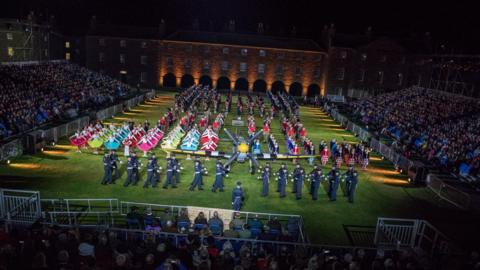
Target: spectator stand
(226,215)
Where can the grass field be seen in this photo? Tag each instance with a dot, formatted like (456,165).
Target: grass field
(60,172)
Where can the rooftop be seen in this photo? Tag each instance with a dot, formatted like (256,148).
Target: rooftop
(246,40)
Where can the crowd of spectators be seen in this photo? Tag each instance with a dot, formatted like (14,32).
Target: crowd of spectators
(253,228)
(439,127)
(31,95)
(51,247)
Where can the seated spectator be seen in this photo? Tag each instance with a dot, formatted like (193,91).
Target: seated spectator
(133,218)
(183,221)
(237,222)
(200,221)
(215,224)
(231,233)
(244,232)
(274,224)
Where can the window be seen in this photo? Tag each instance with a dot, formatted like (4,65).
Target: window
(143,45)
(101,57)
(262,53)
(244,52)
(281,55)
(45,52)
(122,58)
(400,78)
(340,74)
(225,65)
(101,42)
(343,54)
(189,49)
(188,63)
(67,44)
(45,38)
(206,65)
(123,43)
(383,59)
(318,58)
(361,75)
(10,51)
(143,59)
(169,62)
(339,90)
(143,76)
(316,72)
(380,77)
(206,50)
(226,50)
(169,47)
(243,67)
(9,36)
(298,71)
(279,70)
(67,56)
(261,68)
(364,57)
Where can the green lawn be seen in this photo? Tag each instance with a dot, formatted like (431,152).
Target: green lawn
(60,172)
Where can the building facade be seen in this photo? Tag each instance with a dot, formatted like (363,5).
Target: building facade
(29,41)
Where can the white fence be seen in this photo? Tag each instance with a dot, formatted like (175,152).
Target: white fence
(411,233)
(20,206)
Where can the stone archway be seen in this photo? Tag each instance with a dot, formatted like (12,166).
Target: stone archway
(278,87)
(169,80)
(241,84)
(187,81)
(295,89)
(223,83)
(205,80)
(259,86)
(313,90)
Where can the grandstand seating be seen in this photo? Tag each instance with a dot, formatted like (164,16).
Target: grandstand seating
(435,126)
(34,94)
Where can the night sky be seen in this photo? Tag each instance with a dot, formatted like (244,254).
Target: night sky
(453,24)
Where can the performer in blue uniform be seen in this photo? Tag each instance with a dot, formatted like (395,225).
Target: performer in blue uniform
(352,181)
(176,169)
(282,179)
(220,172)
(198,176)
(169,175)
(334,182)
(265,180)
(298,177)
(107,169)
(136,169)
(316,177)
(150,174)
(156,173)
(237,197)
(129,172)
(114,161)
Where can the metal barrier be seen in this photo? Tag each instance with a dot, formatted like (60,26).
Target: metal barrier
(447,192)
(412,233)
(11,149)
(225,214)
(20,206)
(61,211)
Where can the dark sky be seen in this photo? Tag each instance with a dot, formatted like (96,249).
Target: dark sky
(456,25)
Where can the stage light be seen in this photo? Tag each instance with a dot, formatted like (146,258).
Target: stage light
(41,149)
(53,143)
(401,171)
(409,179)
(383,157)
(8,161)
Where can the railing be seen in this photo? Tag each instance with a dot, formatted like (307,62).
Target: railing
(19,206)
(70,210)
(412,233)
(447,192)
